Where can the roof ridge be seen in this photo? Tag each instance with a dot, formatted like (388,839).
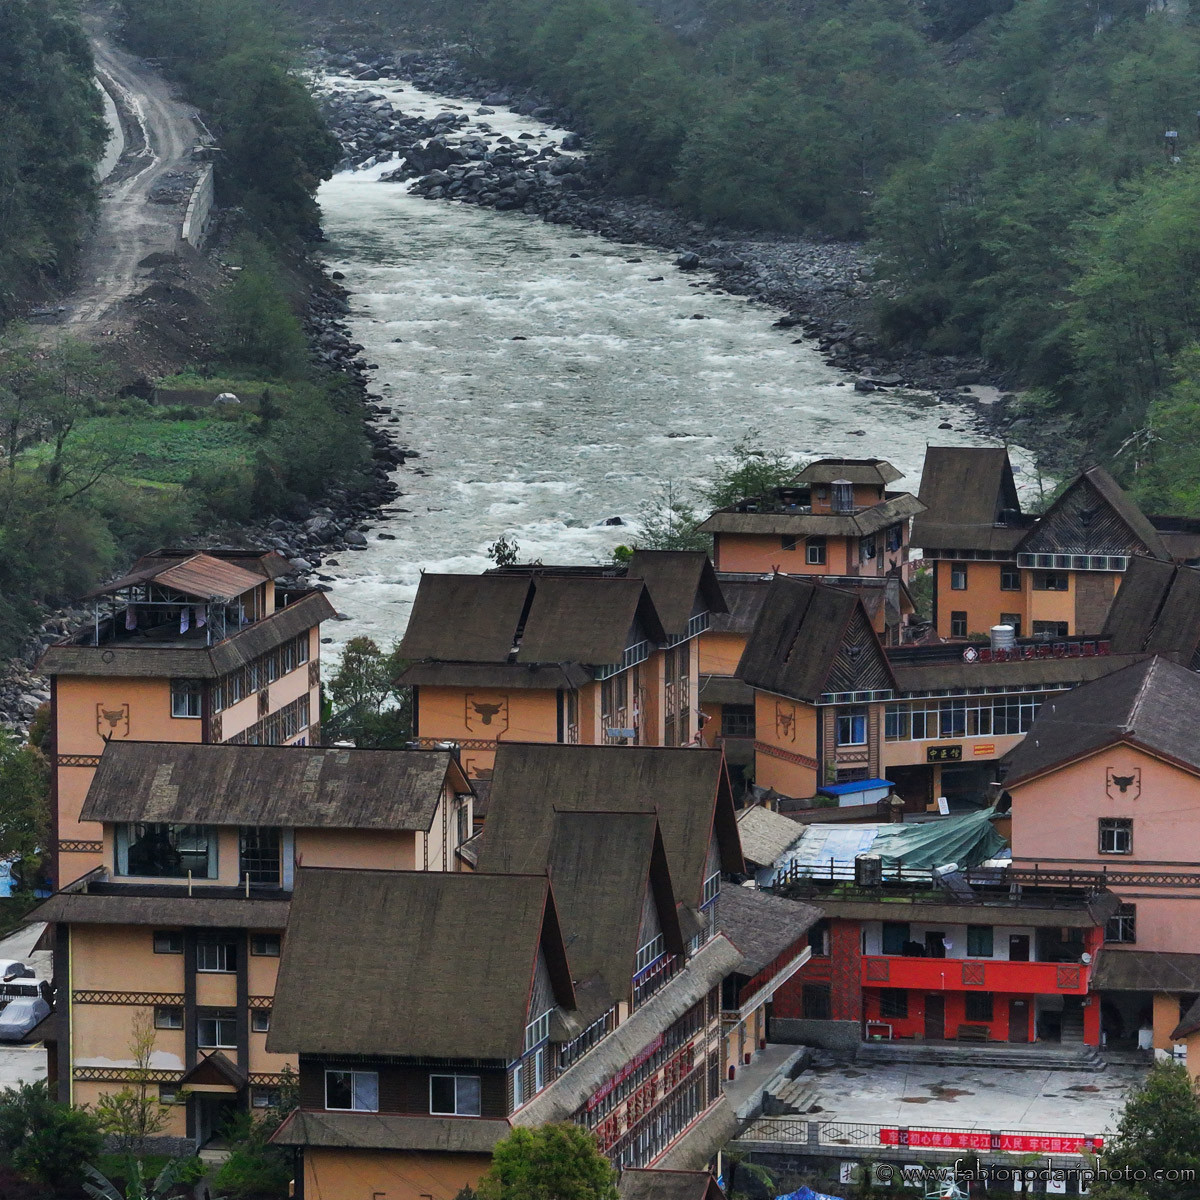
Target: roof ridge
(1139,698)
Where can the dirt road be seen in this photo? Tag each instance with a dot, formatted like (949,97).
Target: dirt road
(160,134)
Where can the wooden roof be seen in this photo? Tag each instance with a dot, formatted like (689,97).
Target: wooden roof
(1156,609)
(762,926)
(1153,704)
(688,789)
(465,618)
(1145,971)
(427,963)
(852,470)
(200,575)
(914,677)
(965,489)
(679,581)
(736,519)
(586,619)
(295,786)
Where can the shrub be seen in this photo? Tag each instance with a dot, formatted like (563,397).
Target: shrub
(45,1141)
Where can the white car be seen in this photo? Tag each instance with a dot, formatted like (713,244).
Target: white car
(20,1016)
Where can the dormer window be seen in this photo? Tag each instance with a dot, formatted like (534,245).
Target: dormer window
(352,1091)
(164,851)
(843,496)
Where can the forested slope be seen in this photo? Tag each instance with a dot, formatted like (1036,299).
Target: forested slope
(51,136)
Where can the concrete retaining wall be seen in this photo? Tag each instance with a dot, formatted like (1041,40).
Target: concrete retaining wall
(829,1035)
(198,219)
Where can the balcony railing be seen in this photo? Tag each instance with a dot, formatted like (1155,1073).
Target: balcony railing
(646,982)
(971,974)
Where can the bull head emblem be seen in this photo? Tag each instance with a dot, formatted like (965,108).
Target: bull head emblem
(112,722)
(488,712)
(1127,786)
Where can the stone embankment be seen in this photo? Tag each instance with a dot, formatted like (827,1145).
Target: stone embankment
(828,289)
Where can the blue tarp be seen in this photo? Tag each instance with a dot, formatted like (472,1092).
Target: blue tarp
(805,1193)
(857,785)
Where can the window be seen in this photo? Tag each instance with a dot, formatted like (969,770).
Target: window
(260,858)
(1122,925)
(1010,577)
(958,624)
(265,945)
(186,697)
(651,952)
(1050,629)
(261,1097)
(537,1032)
(712,889)
(214,956)
(168,1093)
(814,551)
(1051,581)
(815,1002)
(893,1003)
(168,1016)
(866,548)
(352,1091)
(216,1029)
(895,537)
(1013,619)
(852,726)
(895,934)
(168,941)
(958,577)
(843,496)
(1116,835)
(454,1095)
(518,1081)
(981,716)
(260,1020)
(737,720)
(979,941)
(787,541)
(978,1006)
(167,851)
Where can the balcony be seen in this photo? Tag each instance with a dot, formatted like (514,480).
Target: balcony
(971,974)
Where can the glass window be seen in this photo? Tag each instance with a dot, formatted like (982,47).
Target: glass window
(216,957)
(216,1029)
(1051,581)
(260,1020)
(454,1095)
(186,696)
(814,551)
(818,939)
(958,624)
(265,945)
(352,1091)
(167,851)
(893,1003)
(168,1016)
(1013,619)
(518,1078)
(958,577)
(1010,578)
(979,941)
(168,1093)
(737,720)
(168,941)
(1050,629)
(1122,925)
(895,537)
(843,496)
(1116,835)
(261,1097)
(895,934)
(852,726)
(787,541)
(866,548)
(260,857)
(652,951)
(977,1006)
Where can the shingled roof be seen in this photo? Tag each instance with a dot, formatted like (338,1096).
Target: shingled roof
(465,618)
(687,788)
(428,963)
(1153,704)
(965,491)
(762,926)
(736,519)
(798,636)
(295,786)
(678,582)
(852,470)
(766,834)
(586,619)
(1156,609)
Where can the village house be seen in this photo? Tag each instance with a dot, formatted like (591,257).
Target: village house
(181,924)
(1050,576)
(835,518)
(195,647)
(569,655)
(1108,782)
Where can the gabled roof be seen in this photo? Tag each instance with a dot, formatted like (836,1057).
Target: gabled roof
(765,519)
(215,1071)
(602,865)
(679,582)
(428,963)
(762,925)
(465,618)
(852,470)
(1153,704)
(799,634)
(201,576)
(965,490)
(1156,609)
(744,596)
(766,834)
(1063,526)
(687,788)
(586,619)
(654,1183)
(295,786)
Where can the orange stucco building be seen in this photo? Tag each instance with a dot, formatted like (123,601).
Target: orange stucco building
(181,925)
(188,647)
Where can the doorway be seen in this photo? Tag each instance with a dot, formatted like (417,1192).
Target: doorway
(935,1017)
(1018,1020)
(213,1112)
(1018,947)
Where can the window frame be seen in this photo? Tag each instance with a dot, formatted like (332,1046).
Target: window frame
(893,1004)
(260,1020)
(816,551)
(168,1016)
(263,940)
(126,839)
(854,714)
(457,1111)
(978,930)
(354,1092)
(1012,573)
(787,541)
(224,947)
(981,1000)
(1014,620)
(222,1019)
(1052,581)
(816,1001)
(254,855)
(1114,825)
(958,623)
(958,576)
(187,694)
(1122,922)
(167,941)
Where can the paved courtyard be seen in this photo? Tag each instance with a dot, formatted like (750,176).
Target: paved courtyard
(1052,1101)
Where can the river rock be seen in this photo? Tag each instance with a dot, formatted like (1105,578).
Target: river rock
(354,538)
(688,261)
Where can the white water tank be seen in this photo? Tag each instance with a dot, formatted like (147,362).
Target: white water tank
(1004,637)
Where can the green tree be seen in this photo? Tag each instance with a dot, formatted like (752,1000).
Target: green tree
(551,1162)
(135,1113)
(24,804)
(138,1186)
(749,471)
(368,707)
(44,1141)
(1158,1134)
(667,521)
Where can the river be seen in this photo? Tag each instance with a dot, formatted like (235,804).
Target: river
(551,381)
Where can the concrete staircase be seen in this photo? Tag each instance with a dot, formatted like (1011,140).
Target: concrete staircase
(1072,1026)
(788,1097)
(1043,1056)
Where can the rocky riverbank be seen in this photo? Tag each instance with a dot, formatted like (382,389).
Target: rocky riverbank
(827,289)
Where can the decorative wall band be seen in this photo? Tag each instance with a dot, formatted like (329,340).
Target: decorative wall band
(430,743)
(81,847)
(262,1001)
(257,1080)
(801,760)
(140,998)
(77,760)
(124,1075)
